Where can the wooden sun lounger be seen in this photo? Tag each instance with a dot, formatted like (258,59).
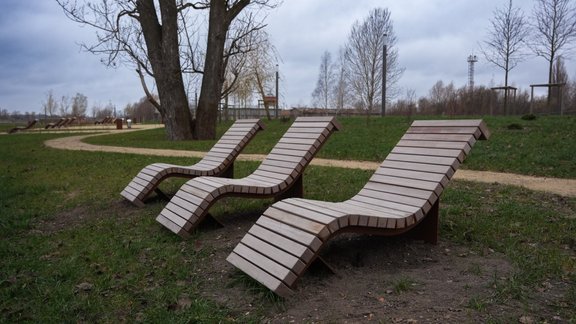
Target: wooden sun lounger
(106,120)
(23,128)
(402,196)
(219,161)
(56,124)
(67,122)
(279,175)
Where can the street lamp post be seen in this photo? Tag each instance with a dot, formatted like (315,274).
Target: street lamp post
(384,66)
(276,107)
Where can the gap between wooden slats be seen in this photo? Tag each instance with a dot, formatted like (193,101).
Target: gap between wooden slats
(310,213)
(463,146)
(416,175)
(273,175)
(395,208)
(454,163)
(332,209)
(280,170)
(440,137)
(442,130)
(320,137)
(266,248)
(283,164)
(290,232)
(272,158)
(319,125)
(168,223)
(399,190)
(422,167)
(258,274)
(196,187)
(448,123)
(295,248)
(301,154)
(301,223)
(303,130)
(416,202)
(265,263)
(264,181)
(458,154)
(303,141)
(409,183)
(172,215)
(295,147)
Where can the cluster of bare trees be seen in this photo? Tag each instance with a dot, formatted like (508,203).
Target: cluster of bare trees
(548,33)
(447,99)
(65,106)
(355,79)
(141,111)
(181,45)
(5,115)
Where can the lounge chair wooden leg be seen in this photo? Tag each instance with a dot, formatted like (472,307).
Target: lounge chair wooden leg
(427,230)
(161,194)
(211,222)
(229,173)
(320,265)
(296,191)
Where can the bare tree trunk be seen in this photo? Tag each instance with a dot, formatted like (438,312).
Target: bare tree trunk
(550,80)
(162,44)
(207,112)
(506,91)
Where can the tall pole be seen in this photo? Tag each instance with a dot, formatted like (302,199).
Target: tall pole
(384,65)
(276,107)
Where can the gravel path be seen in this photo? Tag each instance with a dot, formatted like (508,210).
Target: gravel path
(564,187)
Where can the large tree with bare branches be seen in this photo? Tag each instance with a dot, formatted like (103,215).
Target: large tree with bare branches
(554,31)
(162,39)
(505,42)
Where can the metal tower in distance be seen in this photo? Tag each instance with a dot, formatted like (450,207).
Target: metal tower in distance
(471,60)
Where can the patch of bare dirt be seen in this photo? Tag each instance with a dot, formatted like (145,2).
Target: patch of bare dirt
(377,279)
(81,215)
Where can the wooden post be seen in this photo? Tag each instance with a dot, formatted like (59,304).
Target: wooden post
(427,230)
(296,191)
(229,173)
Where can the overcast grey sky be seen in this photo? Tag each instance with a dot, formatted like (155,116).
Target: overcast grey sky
(39,49)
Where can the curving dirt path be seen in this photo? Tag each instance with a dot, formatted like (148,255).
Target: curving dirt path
(564,187)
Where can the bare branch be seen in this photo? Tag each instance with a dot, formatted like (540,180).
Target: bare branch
(146,91)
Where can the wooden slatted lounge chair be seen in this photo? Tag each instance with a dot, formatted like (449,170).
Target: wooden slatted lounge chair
(67,122)
(279,176)
(56,124)
(401,197)
(219,161)
(23,128)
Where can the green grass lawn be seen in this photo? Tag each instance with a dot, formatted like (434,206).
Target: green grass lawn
(73,251)
(543,147)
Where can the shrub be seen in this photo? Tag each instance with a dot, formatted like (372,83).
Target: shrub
(515,126)
(529,117)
